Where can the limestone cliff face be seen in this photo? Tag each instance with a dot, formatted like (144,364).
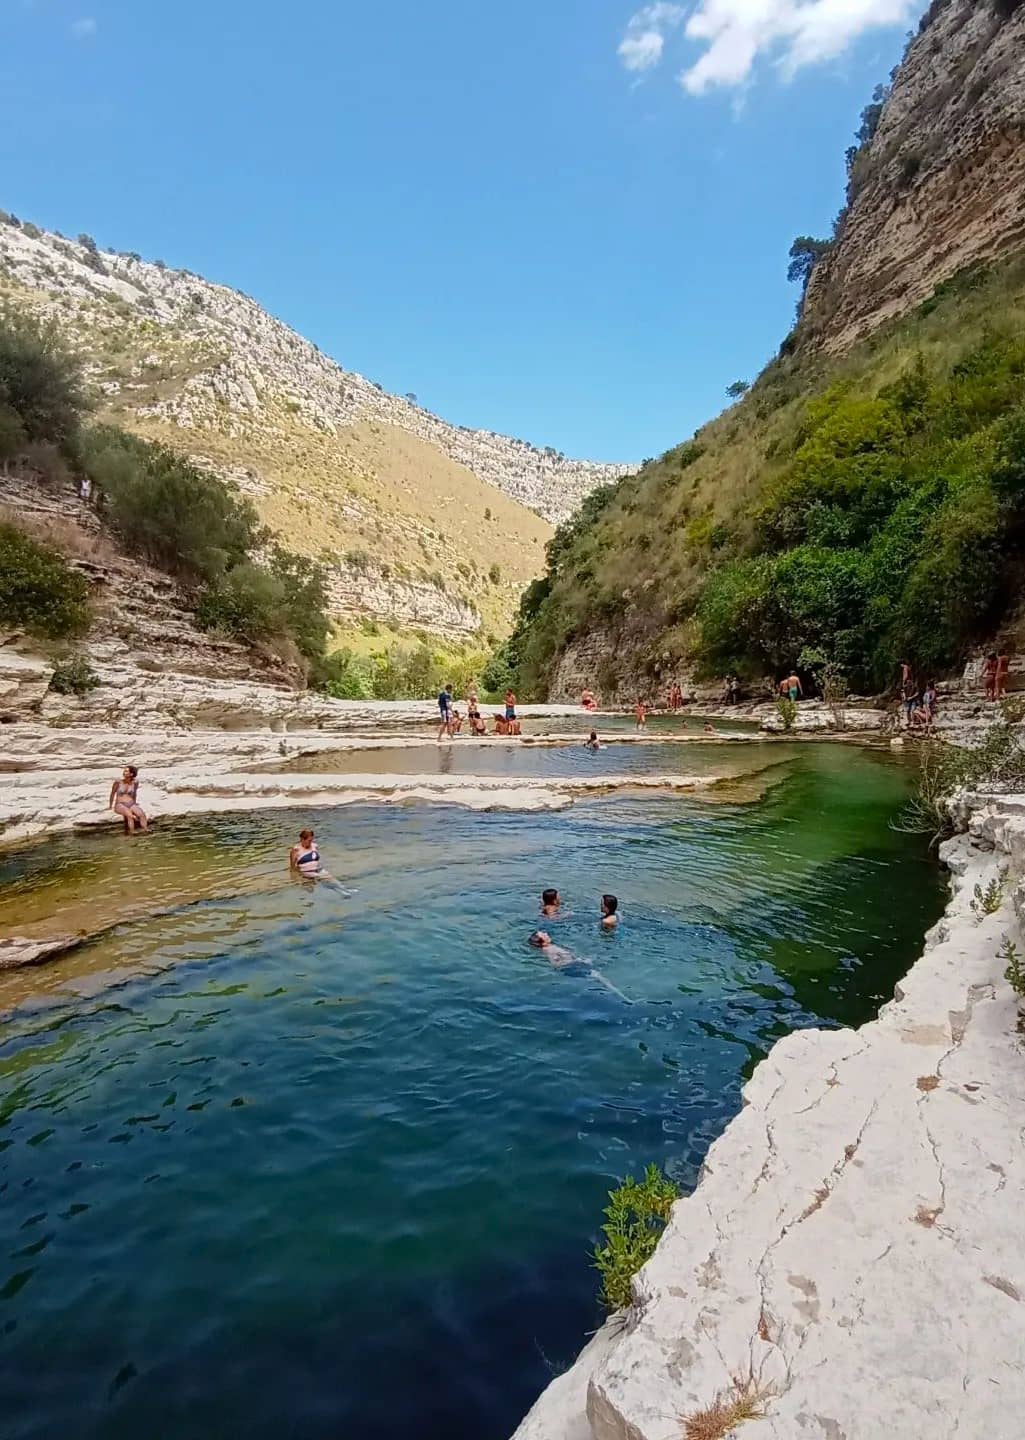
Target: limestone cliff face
(942,185)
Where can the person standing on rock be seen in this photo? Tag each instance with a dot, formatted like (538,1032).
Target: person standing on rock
(445,710)
(124,800)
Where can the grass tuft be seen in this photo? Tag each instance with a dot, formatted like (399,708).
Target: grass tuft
(745,1402)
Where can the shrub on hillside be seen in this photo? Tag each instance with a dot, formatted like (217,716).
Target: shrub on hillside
(13,436)
(181,518)
(74,676)
(39,380)
(247,602)
(39,591)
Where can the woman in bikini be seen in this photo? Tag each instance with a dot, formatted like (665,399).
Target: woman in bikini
(124,800)
(305,857)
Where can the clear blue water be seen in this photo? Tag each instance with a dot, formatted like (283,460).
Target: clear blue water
(296,1161)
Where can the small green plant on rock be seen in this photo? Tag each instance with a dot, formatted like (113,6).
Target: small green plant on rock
(634,1221)
(74,676)
(987,902)
(1014,974)
(786,709)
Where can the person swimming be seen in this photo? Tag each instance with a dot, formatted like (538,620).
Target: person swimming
(305,857)
(550,903)
(554,954)
(124,800)
(609,917)
(592,742)
(561,959)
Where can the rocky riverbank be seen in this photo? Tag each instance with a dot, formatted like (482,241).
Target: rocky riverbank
(851,1260)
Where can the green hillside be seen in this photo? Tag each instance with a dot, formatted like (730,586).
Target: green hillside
(864,507)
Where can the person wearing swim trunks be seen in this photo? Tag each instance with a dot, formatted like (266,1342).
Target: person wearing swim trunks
(124,795)
(640,714)
(305,857)
(791,688)
(609,907)
(445,710)
(510,706)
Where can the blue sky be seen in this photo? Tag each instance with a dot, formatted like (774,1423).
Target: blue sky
(520,211)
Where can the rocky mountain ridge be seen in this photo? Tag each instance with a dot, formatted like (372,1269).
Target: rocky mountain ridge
(244,359)
(942,184)
(421,525)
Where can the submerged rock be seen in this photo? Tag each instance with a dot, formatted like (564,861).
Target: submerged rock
(18,951)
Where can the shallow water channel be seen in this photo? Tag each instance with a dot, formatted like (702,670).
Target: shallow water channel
(288,1159)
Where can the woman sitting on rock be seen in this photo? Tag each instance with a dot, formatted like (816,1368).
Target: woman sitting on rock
(124,800)
(474,716)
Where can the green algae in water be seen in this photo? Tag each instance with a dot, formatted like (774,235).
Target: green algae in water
(294,1161)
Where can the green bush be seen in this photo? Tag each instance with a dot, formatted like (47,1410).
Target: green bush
(635,1218)
(74,676)
(39,380)
(181,518)
(13,435)
(39,591)
(247,602)
(786,709)
(344,677)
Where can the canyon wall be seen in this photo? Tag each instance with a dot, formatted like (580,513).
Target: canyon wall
(942,184)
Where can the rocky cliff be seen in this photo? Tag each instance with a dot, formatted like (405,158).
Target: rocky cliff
(942,184)
(444,523)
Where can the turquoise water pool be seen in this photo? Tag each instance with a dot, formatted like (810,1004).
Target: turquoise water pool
(298,1160)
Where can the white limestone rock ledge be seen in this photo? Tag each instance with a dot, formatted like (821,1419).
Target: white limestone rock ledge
(856,1244)
(53,802)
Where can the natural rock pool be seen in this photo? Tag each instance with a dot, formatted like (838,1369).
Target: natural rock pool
(294,1160)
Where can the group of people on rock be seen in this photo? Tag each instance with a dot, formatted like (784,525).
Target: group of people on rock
(451,721)
(918,702)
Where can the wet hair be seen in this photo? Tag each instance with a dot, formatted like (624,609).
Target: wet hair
(593,735)
(305,834)
(133,770)
(611,904)
(549,897)
(536,940)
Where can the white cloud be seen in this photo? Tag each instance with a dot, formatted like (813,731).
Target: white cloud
(735,34)
(645,38)
(84,29)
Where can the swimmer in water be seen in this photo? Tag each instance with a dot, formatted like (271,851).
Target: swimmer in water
(554,954)
(561,959)
(305,857)
(550,903)
(609,906)
(709,728)
(592,742)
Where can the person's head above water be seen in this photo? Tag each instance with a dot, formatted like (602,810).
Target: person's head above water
(540,939)
(549,897)
(609,904)
(306,836)
(593,735)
